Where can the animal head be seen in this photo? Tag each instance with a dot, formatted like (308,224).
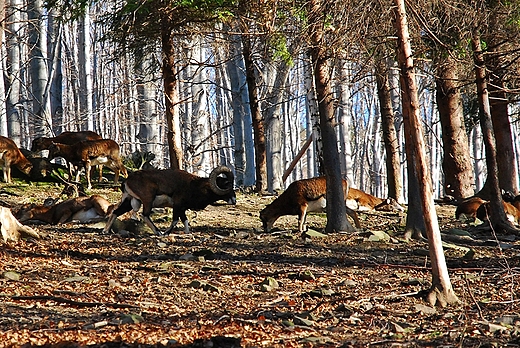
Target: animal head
(26,212)
(39,144)
(268,218)
(221,180)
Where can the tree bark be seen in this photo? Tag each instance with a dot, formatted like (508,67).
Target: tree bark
(441,291)
(491,189)
(336,208)
(258,120)
(458,172)
(171,98)
(393,165)
(14,88)
(85,75)
(499,103)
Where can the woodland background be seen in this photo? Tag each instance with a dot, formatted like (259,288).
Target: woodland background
(158,75)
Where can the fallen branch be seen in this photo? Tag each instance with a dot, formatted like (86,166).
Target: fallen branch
(72,302)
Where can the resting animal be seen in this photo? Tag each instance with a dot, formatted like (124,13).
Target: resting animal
(178,189)
(357,199)
(82,209)
(10,155)
(301,197)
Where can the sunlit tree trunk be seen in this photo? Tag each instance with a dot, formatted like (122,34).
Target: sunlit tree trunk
(38,67)
(441,291)
(344,119)
(54,45)
(274,125)
(315,158)
(3,109)
(85,72)
(148,132)
(13,98)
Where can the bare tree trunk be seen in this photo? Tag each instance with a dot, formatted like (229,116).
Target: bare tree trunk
(507,174)
(38,67)
(458,173)
(3,107)
(315,162)
(491,189)
(336,208)
(85,75)
(441,291)
(148,132)
(55,66)
(389,132)
(171,98)
(274,126)
(258,120)
(345,119)
(14,88)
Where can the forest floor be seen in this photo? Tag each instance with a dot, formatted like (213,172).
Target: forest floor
(228,284)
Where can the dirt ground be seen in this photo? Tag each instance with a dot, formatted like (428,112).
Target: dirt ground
(228,284)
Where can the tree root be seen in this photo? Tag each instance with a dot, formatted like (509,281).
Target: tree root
(437,296)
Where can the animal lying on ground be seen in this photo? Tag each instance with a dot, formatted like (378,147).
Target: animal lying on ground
(178,189)
(301,197)
(81,209)
(90,153)
(357,199)
(10,155)
(68,138)
(476,207)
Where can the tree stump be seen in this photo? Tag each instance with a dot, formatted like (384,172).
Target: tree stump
(12,229)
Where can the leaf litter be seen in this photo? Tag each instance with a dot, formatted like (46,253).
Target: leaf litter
(228,284)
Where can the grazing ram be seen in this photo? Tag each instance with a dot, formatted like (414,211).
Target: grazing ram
(357,199)
(178,189)
(301,197)
(82,209)
(89,153)
(10,155)
(68,138)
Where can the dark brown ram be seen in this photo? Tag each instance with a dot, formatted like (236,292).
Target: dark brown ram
(178,189)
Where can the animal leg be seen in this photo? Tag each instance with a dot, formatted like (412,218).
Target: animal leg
(123,207)
(100,168)
(7,173)
(65,217)
(301,218)
(88,168)
(354,217)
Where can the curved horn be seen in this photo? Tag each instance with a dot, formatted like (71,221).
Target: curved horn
(213,180)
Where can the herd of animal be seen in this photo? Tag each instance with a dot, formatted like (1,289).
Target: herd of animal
(180,190)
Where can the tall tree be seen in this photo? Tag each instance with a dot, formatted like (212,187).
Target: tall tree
(441,291)
(258,120)
(492,189)
(336,209)
(389,132)
(38,67)
(458,173)
(14,88)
